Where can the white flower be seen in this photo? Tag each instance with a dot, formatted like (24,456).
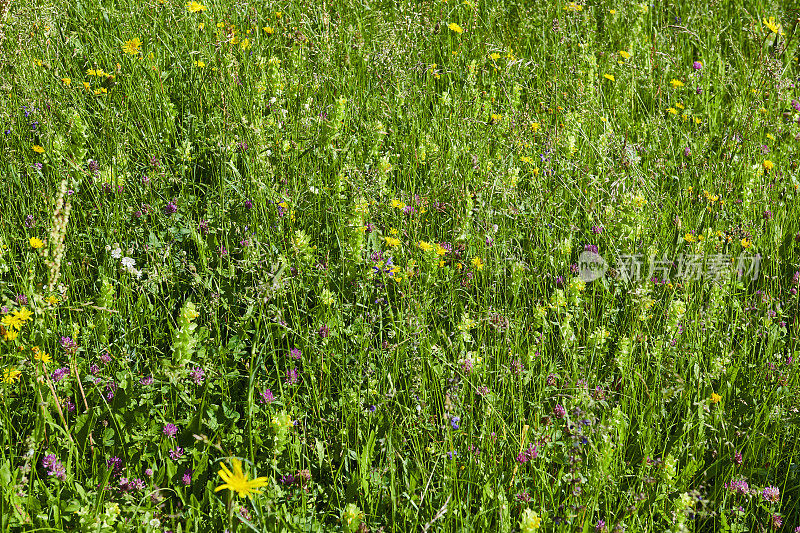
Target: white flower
(117,252)
(128,262)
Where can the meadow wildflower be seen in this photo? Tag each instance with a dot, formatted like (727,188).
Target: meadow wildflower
(772,25)
(238,482)
(530,521)
(624,54)
(715,398)
(676,83)
(771,494)
(573,7)
(768,165)
(195,7)
(455,27)
(132,47)
(38,149)
(10,375)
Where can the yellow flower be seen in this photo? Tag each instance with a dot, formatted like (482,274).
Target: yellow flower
(676,83)
(745,243)
(609,77)
(10,375)
(237,481)
(52,300)
(690,238)
(66,81)
(624,54)
(199,64)
(573,7)
(391,241)
(477,263)
(87,85)
(132,47)
(534,126)
(23,314)
(35,243)
(495,56)
(425,246)
(772,25)
(530,521)
(455,27)
(11,321)
(768,165)
(398,204)
(195,7)
(672,110)
(43,357)
(496,117)
(440,250)
(38,149)
(245,44)
(201,25)
(268,30)
(715,398)
(10,334)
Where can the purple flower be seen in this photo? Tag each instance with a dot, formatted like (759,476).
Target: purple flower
(170,208)
(795,104)
(54,467)
(176,454)
(771,494)
(29,221)
(551,380)
(198,375)
(68,344)
(601,525)
(597,230)
(170,430)
(115,464)
(248,204)
(70,405)
(59,374)
(687,152)
(697,65)
(21,299)
(454,421)
(203,226)
(777,521)
(267,397)
(148,472)
(106,357)
(466,366)
(292,377)
(559,281)
(590,248)
(560,411)
(187,477)
(94,369)
(147,380)
(324,331)
(288,479)
(738,486)
(295,353)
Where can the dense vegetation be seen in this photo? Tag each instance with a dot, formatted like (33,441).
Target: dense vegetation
(323,266)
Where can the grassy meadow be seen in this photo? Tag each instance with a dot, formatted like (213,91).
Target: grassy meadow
(324,266)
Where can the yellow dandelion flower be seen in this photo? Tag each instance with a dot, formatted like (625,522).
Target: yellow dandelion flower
(132,47)
(268,30)
(397,204)
(624,54)
(768,165)
(195,7)
(676,83)
(391,241)
(455,27)
(43,357)
(425,246)
(35,243)
(477,263)
(10,375)
(772,25)
(609,77)
(67,81)
(238,482)
(573,7)
(199,64)
(672,110)
(38,149)
(715,398)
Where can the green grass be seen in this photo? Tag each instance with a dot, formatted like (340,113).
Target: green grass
(378,219)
